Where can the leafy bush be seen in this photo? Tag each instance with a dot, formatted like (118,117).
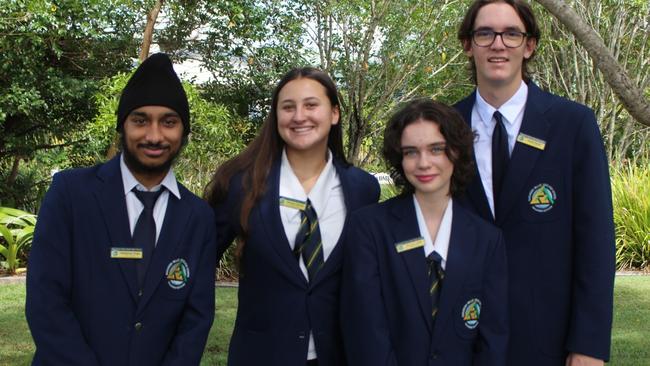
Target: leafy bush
(17,231)
(631,196)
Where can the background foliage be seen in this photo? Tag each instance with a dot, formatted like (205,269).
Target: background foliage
(63,64)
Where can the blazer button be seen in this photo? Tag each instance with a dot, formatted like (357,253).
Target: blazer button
(140,293)
(301,335)
(138,326)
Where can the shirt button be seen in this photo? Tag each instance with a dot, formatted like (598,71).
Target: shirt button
(138,326)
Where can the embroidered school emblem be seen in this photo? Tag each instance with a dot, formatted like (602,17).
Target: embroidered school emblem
(177,273)
(542,197)
(471,313)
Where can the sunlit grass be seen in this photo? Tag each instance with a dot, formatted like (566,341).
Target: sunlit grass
(629,339)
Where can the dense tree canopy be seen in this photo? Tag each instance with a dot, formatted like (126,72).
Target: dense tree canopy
(52,54)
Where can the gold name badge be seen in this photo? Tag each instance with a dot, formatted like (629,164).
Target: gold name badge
(531,141)
(126,253)
(291,203)
(403,246)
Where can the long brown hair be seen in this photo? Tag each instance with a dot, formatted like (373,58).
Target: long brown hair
(256,160)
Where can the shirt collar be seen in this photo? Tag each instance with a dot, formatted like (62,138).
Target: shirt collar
(441,243)
(510,109)
(319,194)
(129,181)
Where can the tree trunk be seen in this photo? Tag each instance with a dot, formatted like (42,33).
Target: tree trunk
(630,95)
(148,30)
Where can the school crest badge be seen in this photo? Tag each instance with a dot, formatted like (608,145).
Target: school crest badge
(471,312)
(542,197)
(177,273)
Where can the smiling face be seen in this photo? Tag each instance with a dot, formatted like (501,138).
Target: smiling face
(499,66)
(305,116)
(152,137)
(424,159)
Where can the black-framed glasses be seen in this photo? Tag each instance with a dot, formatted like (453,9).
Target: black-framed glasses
(510,38)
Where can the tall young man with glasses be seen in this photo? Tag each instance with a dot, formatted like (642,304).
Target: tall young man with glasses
(543,179)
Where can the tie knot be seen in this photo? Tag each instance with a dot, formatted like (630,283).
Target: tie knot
(434,257)
(148,199)
(498,116)
(309,211)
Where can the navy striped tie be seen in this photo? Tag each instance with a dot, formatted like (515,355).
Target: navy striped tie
(308,241)
(436,275)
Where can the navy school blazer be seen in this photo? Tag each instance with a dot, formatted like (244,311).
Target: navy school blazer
(277,306)
(386,308)
(557,222)
(84,307)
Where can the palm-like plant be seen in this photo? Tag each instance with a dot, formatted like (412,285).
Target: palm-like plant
(16,231)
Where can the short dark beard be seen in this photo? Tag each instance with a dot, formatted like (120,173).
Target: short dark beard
(136,166)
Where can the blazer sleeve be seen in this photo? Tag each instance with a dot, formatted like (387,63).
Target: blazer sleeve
(52,322)
(494,318)
(192,331)
(363,318)
(594,257)
(227,217)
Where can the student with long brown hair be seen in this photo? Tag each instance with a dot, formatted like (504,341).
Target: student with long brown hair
(286,198)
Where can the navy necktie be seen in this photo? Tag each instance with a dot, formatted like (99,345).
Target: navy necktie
(308,241)
(144,233)
(436,275)
(500,158)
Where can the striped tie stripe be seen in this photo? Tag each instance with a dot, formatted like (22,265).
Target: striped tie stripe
(308,241)
(436,276)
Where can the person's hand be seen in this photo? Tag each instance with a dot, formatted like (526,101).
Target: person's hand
(576,359)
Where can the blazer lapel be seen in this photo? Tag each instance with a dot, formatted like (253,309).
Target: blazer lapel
(109,192)
(475,189)
(269,216)
(335,259)
(462,245)
(177,216)
(414,260)
(524,157)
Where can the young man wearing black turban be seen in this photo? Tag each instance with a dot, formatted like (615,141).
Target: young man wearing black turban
(121,270)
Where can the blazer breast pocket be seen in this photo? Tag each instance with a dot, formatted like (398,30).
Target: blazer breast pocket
(467,316)
(176,280)
(543,198)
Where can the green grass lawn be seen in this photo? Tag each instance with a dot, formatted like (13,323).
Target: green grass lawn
(630,345)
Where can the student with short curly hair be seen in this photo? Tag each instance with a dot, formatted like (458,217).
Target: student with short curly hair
(424,280)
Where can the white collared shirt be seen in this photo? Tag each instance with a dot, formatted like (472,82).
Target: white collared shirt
(441,243)
(327,199)
(483,123)
(133,205)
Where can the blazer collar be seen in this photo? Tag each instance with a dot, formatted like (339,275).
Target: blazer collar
(523,157)
(475,189)
(462,246)
(403,211)
(269,215)
(109,192)
(177,217)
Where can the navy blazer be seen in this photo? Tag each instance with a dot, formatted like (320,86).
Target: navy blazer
(386,308)
(84,307)
(277,305)
(561,251)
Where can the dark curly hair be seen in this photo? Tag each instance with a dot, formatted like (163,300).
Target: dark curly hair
(457,133)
